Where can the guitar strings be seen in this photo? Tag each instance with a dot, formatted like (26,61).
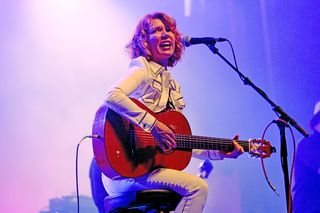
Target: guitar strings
(143,139)
(190,138)
(181,138)
(197,140)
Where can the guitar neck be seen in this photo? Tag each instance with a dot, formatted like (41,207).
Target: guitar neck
(210,143)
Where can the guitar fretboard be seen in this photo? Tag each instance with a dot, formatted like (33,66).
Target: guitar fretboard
(211,143)
(195,142)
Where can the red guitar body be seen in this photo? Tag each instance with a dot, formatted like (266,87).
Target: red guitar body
(125,149)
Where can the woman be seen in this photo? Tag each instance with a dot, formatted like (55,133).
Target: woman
(155,46)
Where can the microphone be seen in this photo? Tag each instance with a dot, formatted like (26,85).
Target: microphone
(187,41)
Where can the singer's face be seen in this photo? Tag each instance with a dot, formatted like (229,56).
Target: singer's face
(161,41)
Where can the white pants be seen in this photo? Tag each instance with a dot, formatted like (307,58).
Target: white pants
(193,189)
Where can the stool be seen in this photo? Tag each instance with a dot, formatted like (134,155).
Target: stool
(154,200)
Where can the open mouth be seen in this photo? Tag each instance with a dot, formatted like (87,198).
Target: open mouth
(166,44)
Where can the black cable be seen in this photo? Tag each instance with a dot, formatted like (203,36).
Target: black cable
(234,56)
(292,168)
(262,162)
(77,182)
(244,79)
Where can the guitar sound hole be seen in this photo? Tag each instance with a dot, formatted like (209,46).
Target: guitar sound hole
(144,155)
(141,150)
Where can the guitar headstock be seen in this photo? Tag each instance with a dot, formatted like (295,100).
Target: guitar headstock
(260,148)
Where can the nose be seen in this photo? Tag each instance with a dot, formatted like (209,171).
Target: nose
(164,34)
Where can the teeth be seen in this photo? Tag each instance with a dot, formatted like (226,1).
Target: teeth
(165,44)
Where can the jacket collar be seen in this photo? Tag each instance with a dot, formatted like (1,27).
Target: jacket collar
(156,68)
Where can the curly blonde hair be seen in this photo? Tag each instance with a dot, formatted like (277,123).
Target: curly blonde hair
(139,46)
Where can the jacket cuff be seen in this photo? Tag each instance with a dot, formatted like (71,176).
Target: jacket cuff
(147,122)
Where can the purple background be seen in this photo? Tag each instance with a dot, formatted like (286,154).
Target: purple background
(58,58)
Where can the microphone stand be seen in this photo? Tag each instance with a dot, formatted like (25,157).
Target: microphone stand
(282,115)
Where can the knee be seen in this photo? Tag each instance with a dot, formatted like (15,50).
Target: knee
(197,187)
(202,188)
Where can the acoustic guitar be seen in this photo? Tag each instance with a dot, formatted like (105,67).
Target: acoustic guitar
(125,149)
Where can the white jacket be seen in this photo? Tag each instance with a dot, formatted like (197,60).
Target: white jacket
(153,86)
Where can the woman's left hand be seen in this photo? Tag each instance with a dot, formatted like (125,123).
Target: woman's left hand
(236,152)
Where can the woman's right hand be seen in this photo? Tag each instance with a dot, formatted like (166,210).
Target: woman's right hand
(164,136)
